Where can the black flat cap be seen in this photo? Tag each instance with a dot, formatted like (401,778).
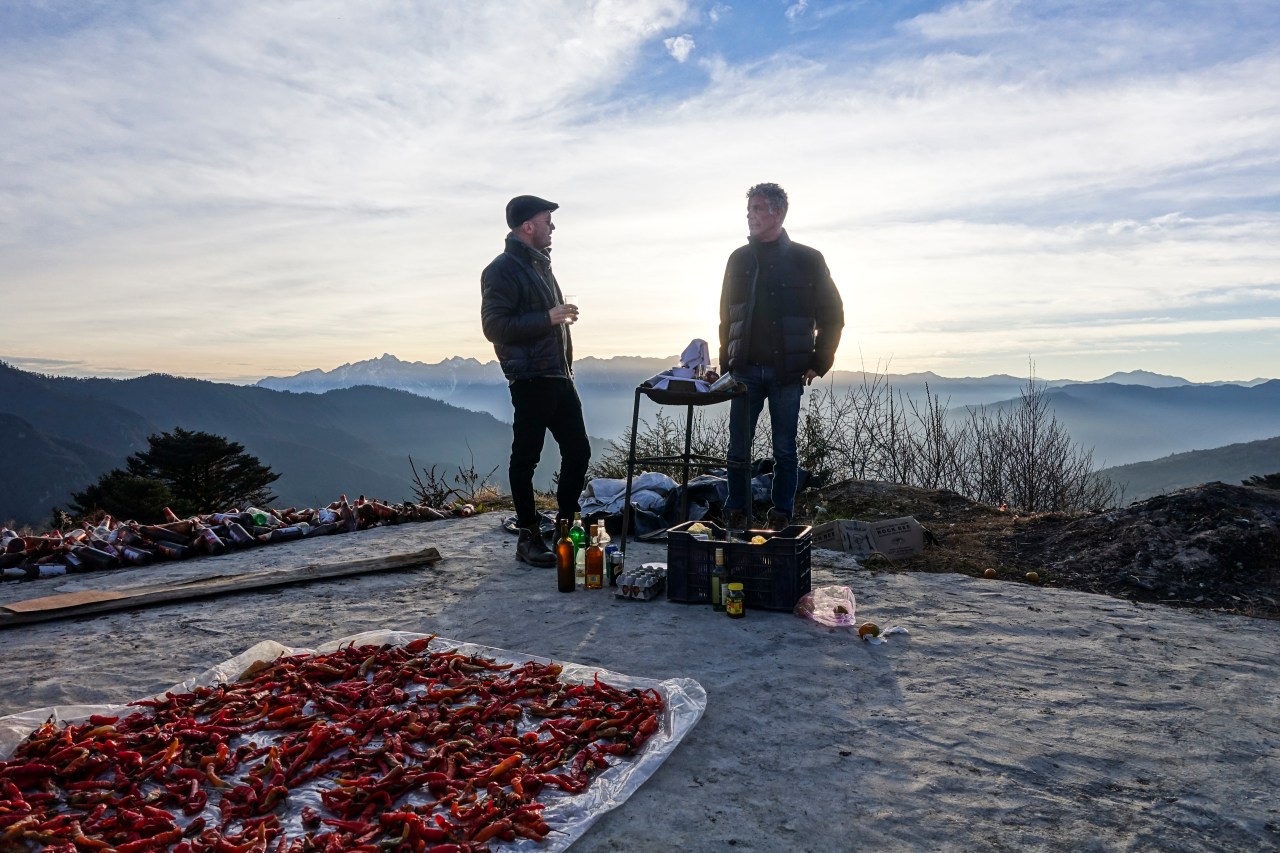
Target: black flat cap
(522,208)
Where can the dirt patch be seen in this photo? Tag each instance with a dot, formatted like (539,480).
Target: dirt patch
(1213,546)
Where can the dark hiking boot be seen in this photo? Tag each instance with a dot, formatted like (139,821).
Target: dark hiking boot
(735,519)
(777,520)
(532,549)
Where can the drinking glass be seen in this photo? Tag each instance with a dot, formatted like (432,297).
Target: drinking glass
(572,299)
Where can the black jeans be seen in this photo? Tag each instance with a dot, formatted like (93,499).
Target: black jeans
(542,405)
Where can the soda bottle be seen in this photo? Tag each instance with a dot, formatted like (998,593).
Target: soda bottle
(565,559)
(594,562)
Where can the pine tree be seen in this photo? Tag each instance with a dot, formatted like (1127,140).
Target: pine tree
(191,472)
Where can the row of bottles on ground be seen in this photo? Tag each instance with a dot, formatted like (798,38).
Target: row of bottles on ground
(109,544)
(584,560)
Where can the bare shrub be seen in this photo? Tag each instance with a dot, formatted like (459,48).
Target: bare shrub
(469,487)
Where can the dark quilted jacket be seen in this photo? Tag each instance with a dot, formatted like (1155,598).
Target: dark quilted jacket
(517,291)
(811,312)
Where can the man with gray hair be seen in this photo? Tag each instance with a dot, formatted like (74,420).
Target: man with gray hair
(781,317)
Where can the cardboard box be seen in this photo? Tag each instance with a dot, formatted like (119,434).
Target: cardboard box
(895,538)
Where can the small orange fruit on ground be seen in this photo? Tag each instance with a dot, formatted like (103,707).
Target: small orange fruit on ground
(989,574)
(868,628)
(1033,577)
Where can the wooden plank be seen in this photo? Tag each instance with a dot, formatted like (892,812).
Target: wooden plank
(66,599)
(88,602)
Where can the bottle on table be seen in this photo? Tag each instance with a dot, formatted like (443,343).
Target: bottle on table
(594,562)
(717,581)
(565,580)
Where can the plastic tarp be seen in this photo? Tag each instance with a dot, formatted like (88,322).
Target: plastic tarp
(571,815)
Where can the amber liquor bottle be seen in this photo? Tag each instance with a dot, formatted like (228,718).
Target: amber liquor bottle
(565,578)
(595,562)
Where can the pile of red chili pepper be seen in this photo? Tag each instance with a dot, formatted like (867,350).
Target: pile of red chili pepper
(407,749)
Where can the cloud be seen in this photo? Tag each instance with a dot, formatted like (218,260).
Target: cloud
(797,9)
(718,11)
(680,47)
(967,19)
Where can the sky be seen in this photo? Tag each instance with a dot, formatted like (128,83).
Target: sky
(234,190)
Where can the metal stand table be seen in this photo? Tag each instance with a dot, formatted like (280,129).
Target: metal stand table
(687,460)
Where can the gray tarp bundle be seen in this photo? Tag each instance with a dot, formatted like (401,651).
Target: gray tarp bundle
(655,499)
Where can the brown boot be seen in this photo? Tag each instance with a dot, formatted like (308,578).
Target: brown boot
(532,549)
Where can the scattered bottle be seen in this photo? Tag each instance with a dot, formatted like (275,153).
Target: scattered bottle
(96,557)
(134,555)
(237,534)
(171,550)
(262,518)
(208,540)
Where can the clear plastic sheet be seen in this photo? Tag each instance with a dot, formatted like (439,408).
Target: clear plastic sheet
(569,815)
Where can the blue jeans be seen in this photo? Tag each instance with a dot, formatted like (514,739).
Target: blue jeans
(784,415)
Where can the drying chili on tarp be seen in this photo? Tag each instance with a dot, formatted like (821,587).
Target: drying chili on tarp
(408,749)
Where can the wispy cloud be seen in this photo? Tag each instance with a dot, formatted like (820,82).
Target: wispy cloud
(797,9)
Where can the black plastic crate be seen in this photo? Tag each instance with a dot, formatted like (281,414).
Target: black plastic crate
(773,576)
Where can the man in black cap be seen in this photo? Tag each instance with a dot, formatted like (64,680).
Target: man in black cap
(525,316)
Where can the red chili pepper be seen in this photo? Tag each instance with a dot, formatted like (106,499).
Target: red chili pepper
(154,842)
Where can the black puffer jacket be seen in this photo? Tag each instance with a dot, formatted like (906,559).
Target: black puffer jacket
(810,311)
(518,290)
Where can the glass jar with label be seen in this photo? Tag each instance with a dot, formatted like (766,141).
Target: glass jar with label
(734,601)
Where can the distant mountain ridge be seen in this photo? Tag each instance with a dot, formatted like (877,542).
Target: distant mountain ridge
(1125,417)
(57,435)
(1231,464)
